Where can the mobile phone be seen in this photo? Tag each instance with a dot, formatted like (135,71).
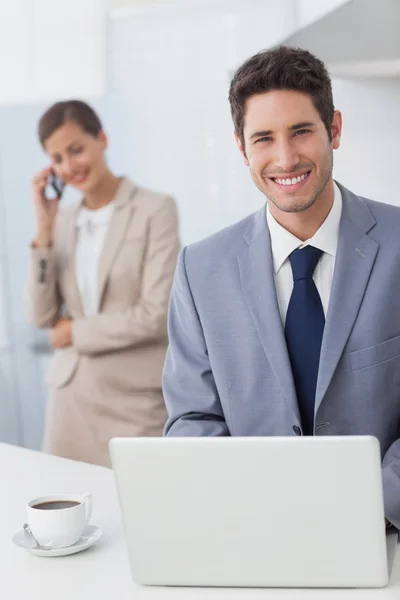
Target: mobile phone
(57,186)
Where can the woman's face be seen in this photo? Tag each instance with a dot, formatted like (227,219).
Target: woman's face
(77,157)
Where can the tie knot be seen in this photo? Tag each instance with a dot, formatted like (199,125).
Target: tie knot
(304,261)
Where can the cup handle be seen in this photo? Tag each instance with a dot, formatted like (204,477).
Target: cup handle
(88,498)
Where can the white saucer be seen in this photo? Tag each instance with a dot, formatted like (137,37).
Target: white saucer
(90,536)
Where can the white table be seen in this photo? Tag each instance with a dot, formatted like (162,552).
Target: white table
(102,572)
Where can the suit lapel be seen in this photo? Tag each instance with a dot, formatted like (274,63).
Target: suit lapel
(69,250)
(258,284)
(116,233)
(354,261)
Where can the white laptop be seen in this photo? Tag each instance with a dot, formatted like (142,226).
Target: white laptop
(265,512)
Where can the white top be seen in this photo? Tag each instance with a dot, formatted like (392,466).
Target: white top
(98,572)
(92,227)
(283,243)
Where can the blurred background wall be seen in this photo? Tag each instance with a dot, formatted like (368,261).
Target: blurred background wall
(158,72)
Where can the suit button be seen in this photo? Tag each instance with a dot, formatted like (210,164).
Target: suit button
(297,430)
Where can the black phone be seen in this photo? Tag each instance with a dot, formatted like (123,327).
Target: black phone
(57,186)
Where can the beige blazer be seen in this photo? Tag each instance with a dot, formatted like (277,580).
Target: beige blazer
(124,345)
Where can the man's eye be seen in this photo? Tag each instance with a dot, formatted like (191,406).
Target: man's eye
(302,131)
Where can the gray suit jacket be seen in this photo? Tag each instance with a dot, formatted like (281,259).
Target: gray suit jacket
(227,370)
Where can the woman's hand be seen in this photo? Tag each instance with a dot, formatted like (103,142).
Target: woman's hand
(61,334)
(45,210)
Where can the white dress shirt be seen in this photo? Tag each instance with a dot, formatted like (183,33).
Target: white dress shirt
(92,227)
(283,243)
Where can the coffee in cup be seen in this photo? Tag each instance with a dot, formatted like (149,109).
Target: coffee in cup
(58,521)
(55,504)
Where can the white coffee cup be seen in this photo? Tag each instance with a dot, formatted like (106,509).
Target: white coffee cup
(58,520)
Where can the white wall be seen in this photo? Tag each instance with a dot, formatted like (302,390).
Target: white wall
(173,72)
(369,157)
(309,11)
(51,49)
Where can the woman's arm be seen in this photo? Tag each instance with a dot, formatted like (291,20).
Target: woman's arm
(42,296)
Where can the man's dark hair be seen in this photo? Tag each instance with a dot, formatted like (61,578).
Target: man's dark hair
(64,112)
(281,68)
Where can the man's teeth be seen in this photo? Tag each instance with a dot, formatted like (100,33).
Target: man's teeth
(291,181)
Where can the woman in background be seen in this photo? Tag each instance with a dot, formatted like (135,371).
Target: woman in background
(100,277)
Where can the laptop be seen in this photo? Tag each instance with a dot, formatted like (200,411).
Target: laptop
(254,512)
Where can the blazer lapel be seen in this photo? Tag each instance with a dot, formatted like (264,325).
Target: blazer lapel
(116,233)
(354,261)
(69,249)
(258,284)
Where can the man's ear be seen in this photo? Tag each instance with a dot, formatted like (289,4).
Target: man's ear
(336,129)
(241,148)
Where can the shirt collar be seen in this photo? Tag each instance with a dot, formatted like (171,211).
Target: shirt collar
(101,216)
(283,243)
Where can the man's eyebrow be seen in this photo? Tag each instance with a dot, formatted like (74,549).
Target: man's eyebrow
(261,134)
(302,125)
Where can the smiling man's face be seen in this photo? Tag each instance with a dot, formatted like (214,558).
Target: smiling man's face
(288,150)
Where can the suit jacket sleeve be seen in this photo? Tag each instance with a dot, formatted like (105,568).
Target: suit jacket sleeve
(391,484)
(147,320)
(190,392)
(42,296)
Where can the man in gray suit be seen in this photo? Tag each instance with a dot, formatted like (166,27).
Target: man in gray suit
(288,323)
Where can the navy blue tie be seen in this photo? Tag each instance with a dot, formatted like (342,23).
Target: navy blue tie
(304,327)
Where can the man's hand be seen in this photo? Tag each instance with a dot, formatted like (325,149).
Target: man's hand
(61,334)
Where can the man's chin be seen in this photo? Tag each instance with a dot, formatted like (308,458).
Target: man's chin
(292,205)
